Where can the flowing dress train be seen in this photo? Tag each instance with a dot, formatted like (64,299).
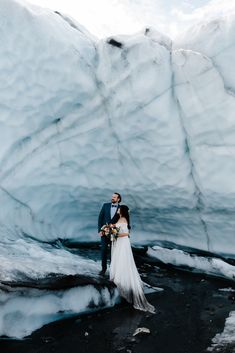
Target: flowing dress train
(124,274)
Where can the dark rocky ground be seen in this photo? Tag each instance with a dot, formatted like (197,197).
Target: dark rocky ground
(190,311)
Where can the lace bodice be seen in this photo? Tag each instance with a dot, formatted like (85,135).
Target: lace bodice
(123,227)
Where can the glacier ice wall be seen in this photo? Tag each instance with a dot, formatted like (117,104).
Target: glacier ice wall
(82,118)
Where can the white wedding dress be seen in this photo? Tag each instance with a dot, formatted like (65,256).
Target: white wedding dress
(124,274)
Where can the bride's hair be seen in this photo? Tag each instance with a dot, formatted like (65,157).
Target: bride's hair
(124,212)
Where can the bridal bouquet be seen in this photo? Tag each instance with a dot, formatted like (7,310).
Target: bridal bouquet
(106,229)
(114,232)
(110,230)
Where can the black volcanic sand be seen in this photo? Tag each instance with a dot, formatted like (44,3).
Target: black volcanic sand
(190,312)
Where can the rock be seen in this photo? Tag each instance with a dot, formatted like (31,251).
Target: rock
(47,339)
(78,321)
(121,349)
(141,330)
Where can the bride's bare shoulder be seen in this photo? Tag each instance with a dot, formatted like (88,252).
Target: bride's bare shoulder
(122,221)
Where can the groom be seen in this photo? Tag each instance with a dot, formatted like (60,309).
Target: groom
(107,215)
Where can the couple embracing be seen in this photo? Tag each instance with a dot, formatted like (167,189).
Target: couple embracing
(122,271)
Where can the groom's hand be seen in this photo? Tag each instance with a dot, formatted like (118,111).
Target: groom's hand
(101,234)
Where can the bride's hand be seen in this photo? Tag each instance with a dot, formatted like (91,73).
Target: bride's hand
(123,235)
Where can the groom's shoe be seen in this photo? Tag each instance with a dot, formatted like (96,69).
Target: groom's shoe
(102,272)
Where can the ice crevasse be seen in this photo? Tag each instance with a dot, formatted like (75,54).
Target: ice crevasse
(142,115)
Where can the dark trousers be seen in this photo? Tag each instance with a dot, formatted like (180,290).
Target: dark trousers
(105,251)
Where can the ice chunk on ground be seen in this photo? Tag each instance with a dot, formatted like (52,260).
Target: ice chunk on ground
(201,264)
(24,311)
(222,341)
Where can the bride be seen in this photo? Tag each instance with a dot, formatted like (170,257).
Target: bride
(123,271)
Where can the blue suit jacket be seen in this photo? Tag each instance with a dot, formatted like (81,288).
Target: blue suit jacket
(104,216)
